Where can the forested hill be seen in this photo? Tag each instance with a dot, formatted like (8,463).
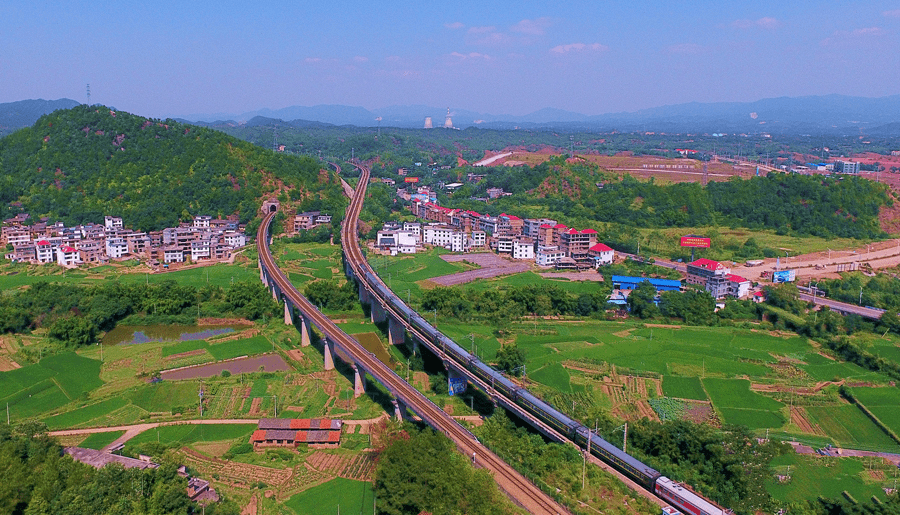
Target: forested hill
(77,165)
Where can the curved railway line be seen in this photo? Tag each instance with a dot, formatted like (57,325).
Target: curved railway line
(516,486)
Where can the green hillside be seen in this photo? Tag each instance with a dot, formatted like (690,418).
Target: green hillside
(77,165)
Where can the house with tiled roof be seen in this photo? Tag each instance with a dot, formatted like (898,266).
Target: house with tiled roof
(602,254)
(292,432)
(67,256)
(738,287)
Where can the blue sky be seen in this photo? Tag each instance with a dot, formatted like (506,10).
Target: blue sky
(172,58)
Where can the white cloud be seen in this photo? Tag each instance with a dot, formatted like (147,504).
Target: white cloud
(843,36)
(685,48)
(867,32)
(312,60)
(470,55)
(536,27)
(392,58)
(578,47)
(892,14)
(361,59)
(454,26)
(762,23)
(488,35)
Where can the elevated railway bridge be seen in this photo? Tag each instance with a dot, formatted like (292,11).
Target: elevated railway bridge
(336,343)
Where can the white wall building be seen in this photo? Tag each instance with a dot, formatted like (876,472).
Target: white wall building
(523,249)
(112,222)
(235,239)
(116,248)
(479,239)
(602,254)
(44,252)
(548,255)
(67,256)
(202,221)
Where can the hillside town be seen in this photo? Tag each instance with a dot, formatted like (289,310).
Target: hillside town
(43,242)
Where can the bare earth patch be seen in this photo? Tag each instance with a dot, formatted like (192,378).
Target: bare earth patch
(187,354)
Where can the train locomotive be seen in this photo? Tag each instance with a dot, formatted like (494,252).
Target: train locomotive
(679,495)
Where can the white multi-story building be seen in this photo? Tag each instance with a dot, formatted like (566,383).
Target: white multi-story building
(44,252)
(531,226)
(173,254)
(112,222)
(397,241)
(200,249)
(67,256)
(415,228)
(548,255)
(479,239)
(116,248)
(202,221)
(602,254)
(438,235)
(234,239)
(522,249)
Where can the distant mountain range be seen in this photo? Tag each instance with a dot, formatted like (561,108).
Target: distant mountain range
(15,115)
(829,114)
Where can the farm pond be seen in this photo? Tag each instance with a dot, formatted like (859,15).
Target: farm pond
(127,335)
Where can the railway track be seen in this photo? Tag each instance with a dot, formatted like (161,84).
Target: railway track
(516,486)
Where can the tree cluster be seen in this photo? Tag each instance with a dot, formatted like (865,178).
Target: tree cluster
(729,465)
(74,315)
(77,165)
(38,479)
(423,472)
(328,295)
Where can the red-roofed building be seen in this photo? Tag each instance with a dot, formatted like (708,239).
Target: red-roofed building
(284,432)
(712,275)
(576,244)
(738,287)
(602,254)
(67,256)
(44,252)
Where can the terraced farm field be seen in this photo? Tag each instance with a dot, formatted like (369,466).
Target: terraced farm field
(884,403)
(850,427)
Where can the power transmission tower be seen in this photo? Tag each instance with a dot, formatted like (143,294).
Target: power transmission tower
(88,94)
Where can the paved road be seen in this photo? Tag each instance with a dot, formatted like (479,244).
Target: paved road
(843,307)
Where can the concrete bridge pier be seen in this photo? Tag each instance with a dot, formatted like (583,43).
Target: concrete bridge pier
(274,291)
(399,410)
(359,381)
(396,332)
(288,312)
(377,312)
(363,294)
(329,358)
(304,331)
(262,272)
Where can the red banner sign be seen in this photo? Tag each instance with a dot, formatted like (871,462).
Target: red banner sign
(695,241)
(411,179)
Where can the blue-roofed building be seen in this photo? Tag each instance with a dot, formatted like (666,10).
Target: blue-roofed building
(624,282)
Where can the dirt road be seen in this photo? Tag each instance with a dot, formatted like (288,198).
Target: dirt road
(882,254)
(135,429)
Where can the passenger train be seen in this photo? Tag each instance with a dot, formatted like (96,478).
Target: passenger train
(679,495)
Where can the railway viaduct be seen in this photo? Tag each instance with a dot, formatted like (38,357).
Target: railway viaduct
(299,311)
